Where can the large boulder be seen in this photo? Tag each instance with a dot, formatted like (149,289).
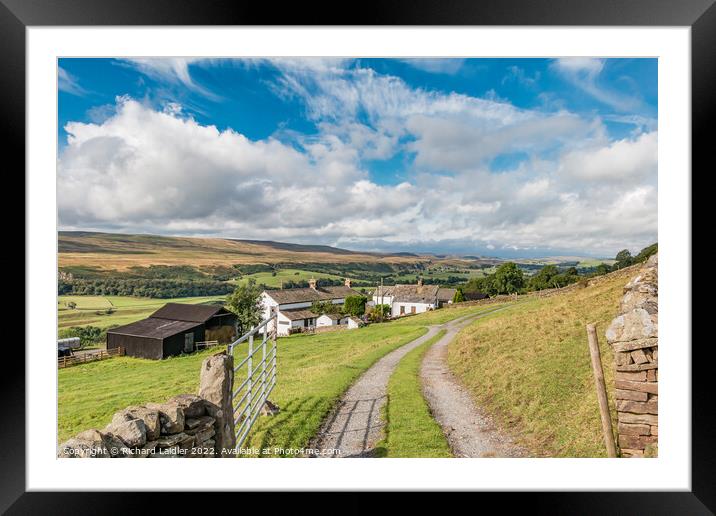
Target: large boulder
(634,325)
(148,416)
(192,405)
(132,432)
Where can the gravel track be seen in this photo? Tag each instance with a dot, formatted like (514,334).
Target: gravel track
(469,431)
(356,424)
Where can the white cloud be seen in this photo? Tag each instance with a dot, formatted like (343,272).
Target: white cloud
(143,169)
(68,83)
(584,73)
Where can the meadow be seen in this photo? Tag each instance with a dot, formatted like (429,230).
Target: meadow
(314,370)
(530,367)
(107,311)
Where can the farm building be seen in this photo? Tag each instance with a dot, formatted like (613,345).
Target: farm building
(294,305)
(173,329)
(407,299)
(331,320)
(445,296)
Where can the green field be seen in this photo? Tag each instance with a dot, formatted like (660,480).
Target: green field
(283,275)
(410,429)
(91,310)
(530,368)
(314,370)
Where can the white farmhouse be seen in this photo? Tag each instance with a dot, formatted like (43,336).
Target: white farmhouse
(294,305)
(412,299)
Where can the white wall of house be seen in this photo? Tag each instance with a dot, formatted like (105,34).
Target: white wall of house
(324,320)
(409,307)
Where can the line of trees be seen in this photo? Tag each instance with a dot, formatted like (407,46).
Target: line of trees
(156,288)
(510,279)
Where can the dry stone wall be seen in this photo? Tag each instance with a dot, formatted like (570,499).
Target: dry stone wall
(634,337)
(186,425)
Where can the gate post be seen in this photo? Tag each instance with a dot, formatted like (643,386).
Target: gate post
(216,385)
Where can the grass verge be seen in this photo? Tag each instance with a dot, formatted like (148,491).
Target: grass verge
(410,428)
(530,368)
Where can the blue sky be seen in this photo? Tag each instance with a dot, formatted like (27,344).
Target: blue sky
(476,156)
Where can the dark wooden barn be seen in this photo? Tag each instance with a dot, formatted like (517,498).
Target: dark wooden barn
(173,329)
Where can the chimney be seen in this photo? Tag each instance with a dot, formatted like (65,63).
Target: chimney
(420,282)
(312,283)
(348,283)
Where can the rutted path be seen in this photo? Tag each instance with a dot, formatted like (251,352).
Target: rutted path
(469,431)
(356,424)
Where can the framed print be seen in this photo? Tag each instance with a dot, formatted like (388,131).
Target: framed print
(426,238)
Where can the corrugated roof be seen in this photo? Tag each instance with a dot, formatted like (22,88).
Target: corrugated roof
(298,314)
(154,328)
(309,295)
(190,313)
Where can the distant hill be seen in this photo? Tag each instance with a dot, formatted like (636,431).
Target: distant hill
(116,251)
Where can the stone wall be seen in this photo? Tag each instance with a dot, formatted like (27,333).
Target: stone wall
(186,425)
(634,337)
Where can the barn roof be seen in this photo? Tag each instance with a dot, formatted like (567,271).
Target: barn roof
(188,313)
(446,294)
(154,328)
(309,295)
(296,315)
(334,317)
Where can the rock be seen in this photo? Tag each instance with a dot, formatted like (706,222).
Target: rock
(133,432)
(638,407)
(203,435)
(149,416)
(634,325)
(634,429)
(631,395)
(197,423)
(215,384)
(180,439)
(193,405)
(92,444)
(171,417)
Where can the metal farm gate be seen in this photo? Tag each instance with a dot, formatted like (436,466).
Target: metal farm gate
(258,374)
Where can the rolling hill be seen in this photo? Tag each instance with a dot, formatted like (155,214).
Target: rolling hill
(111,251)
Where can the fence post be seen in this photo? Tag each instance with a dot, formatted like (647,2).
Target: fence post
(601,389)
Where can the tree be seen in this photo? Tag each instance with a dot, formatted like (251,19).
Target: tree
(459,297)
(544,278)
(623,259)
(245,302)
(645,253)
(379,313)
(325,307)
(355,305)
(509,279)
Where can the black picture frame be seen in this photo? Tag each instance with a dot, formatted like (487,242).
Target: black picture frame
(700,15)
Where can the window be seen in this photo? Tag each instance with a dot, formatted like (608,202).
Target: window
(402,310)
(412,309)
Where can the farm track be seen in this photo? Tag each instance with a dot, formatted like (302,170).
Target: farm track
(356,424)
(469,431)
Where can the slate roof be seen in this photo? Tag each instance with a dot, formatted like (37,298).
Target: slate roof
(446,294)
(298,314)
(309,295)
(189,313)
(411,293)
(154,328)
(334,317)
